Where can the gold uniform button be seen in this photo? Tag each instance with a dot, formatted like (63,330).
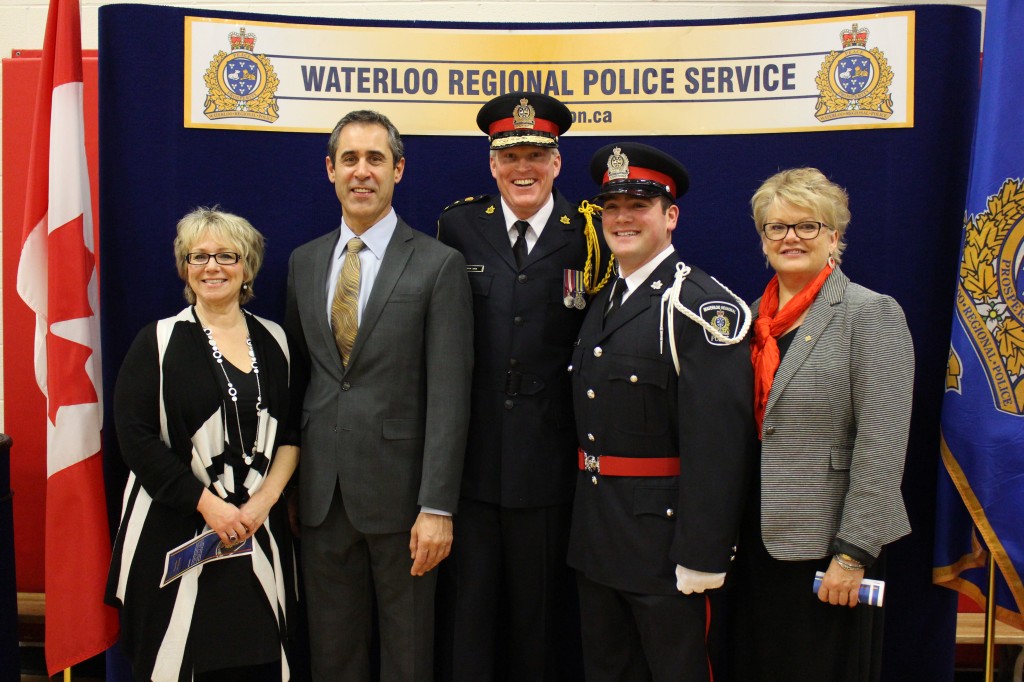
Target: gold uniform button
(670,512)
(769,430)
(598,352)
(591,394)
(590,437)
(633,378)
(593,479)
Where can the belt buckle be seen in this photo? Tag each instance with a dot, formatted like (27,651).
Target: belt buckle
(592,464)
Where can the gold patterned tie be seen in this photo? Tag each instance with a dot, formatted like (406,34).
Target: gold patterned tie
(345,306)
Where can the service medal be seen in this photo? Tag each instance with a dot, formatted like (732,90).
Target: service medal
(574,289)
(570,287)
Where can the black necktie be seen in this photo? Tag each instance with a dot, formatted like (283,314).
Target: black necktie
(615,300)
(519,248)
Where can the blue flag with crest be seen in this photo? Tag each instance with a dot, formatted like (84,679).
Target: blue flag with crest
(980,503)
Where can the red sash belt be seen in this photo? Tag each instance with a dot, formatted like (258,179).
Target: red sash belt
(628,466)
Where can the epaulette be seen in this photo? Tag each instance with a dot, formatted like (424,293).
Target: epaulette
(467,200)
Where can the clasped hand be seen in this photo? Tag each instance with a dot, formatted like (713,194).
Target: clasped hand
(233,524)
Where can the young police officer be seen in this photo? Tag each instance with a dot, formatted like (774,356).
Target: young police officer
(661,386)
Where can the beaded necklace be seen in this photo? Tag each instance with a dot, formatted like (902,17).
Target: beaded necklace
(247,457)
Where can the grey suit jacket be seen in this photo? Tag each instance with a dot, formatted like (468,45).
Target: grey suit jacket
(390,428)
(835,429)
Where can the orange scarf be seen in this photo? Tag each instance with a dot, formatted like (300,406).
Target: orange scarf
(769,326)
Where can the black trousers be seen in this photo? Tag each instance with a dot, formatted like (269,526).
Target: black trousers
(629,637)
(507,607)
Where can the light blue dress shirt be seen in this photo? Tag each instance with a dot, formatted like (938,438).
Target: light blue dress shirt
(375,240)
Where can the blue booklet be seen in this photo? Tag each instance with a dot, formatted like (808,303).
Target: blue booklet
(871,592)
(198,551)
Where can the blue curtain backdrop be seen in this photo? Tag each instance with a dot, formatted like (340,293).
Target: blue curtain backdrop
(907,189)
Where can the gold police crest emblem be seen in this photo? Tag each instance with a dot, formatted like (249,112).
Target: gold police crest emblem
(854,82)
(990,296)
(523,115)
(618,165)
(241,84)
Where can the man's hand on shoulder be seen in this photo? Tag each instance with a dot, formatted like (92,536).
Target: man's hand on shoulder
(430,541)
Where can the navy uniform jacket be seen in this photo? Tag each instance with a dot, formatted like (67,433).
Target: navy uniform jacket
(630,532)
(521,450)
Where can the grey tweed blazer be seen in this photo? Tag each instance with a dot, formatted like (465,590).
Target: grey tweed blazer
(835,428)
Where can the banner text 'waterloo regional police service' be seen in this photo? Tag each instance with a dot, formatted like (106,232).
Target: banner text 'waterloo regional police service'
(794,75)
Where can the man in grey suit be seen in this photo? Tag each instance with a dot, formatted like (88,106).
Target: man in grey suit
(385,412)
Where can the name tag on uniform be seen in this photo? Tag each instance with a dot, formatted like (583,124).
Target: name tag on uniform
(474,268)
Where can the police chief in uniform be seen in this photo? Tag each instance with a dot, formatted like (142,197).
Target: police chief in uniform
(661,384)
(534,261)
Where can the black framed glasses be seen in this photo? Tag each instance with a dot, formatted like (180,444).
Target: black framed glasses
(223,258)
(805,229)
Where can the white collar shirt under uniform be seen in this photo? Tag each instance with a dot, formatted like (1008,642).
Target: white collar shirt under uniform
(640,275)
(537,222)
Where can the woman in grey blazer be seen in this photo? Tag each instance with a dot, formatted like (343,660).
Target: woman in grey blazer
(833,365)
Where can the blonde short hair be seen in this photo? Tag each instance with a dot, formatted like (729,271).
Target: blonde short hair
(806,188)
(227,227)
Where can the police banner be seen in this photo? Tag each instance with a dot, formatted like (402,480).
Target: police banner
(783,76)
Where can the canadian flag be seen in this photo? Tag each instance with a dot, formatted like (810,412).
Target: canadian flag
(57,278)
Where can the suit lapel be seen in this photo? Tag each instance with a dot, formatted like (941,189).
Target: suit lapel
(391,267)
(492,228)
(590,331)
(321,270)
(555,235)
(818,317)
(642,298)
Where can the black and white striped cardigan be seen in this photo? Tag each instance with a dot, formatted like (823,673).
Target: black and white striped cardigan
(170,423)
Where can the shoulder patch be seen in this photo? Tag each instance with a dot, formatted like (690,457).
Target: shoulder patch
(468,200)
(723,316)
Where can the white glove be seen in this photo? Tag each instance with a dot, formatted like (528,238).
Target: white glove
(689,581)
